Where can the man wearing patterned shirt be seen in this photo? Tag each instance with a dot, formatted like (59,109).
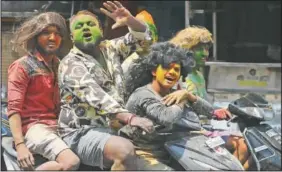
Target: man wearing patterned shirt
(92,88)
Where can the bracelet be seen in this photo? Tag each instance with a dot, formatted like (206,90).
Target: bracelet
(130,119)
(19,144)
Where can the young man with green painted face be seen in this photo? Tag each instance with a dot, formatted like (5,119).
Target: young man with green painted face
(92,88)
(199,40)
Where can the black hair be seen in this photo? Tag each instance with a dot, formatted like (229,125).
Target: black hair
(25,36)
(162,53)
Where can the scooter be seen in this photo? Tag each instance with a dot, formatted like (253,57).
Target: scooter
(195,151)
(251,116)
(198,155)
(199,152)
(186,147)
(251,112)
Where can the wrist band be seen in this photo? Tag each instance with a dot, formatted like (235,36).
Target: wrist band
(130,119)
(19,144)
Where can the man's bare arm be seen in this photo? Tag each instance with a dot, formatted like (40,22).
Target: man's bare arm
(16,128)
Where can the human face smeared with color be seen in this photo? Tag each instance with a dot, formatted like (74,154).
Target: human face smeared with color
(201,53)
(86,31)
(146,17)
(167,77)
(153,30)
(49,40)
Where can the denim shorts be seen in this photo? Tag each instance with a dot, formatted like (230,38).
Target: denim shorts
(89,145)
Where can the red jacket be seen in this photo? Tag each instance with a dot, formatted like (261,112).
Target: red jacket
(33,91)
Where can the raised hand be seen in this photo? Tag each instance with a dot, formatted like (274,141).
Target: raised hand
(117,12)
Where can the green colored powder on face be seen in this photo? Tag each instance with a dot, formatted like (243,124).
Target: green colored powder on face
(83,24)
(199,56)
(201,53)
(154,31)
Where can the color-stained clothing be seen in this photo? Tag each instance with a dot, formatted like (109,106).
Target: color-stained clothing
(128,62)
(145,102)
(89,92)
(195,83)
(33,91)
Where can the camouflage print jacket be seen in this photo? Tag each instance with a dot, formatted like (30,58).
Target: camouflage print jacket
(88,92)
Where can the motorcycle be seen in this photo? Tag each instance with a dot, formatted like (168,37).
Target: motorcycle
(194,151)
(252,112)
(199,155)
(186,147)
(251,116)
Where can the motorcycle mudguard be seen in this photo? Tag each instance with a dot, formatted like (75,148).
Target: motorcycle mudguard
(193,154)
(263,147)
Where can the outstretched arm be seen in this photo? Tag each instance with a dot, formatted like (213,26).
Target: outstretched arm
(138,36)
(122,16)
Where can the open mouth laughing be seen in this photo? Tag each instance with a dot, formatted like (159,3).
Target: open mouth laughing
(170,79)
(87,36)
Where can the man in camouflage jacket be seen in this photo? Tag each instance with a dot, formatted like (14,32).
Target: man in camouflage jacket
(92,88)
